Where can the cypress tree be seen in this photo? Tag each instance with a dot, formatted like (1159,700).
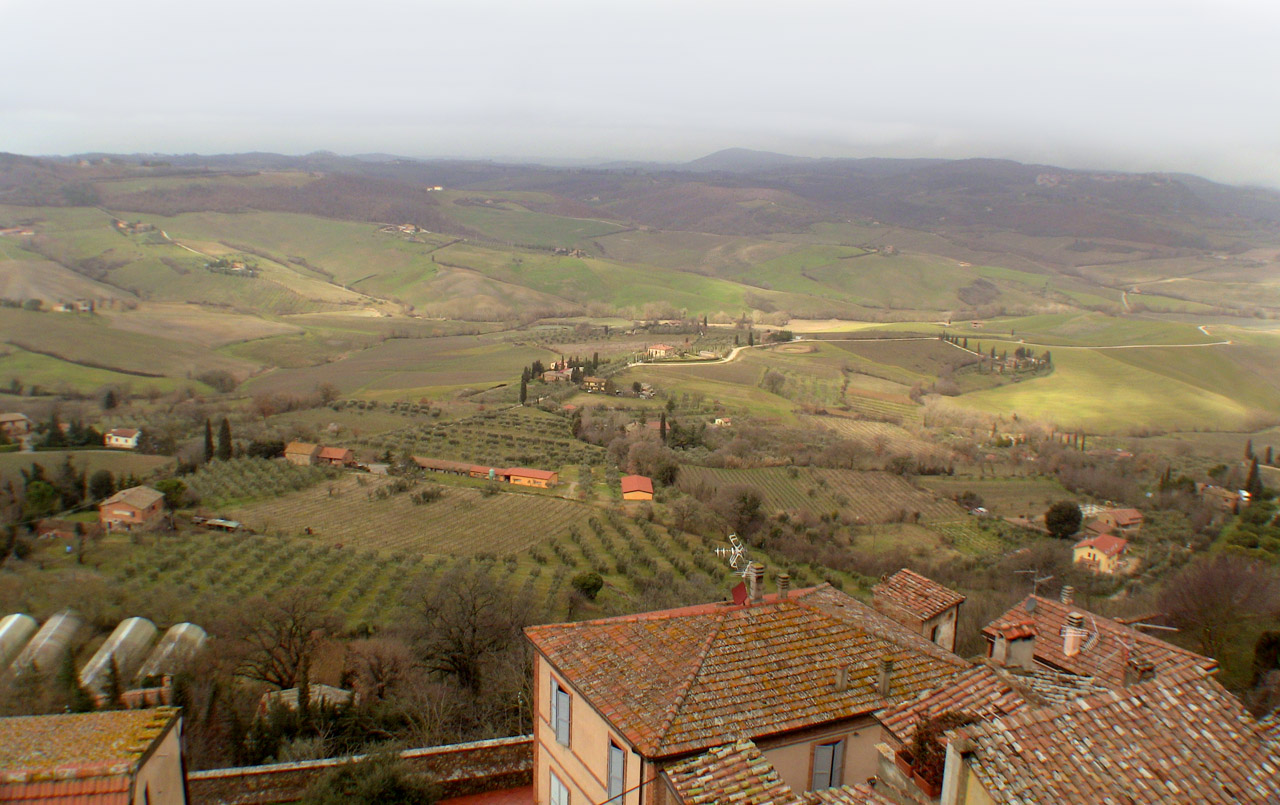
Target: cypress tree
(1253,484)
(224,440)
(1248,450)
(1267,460)
(524,389)
(208,441)
(662,427)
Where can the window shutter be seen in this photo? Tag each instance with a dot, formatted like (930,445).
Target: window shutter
(562,716)
(555,704)
(559,794)
(822,754)
(617,771)
(837,763)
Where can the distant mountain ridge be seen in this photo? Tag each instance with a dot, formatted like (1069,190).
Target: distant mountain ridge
(735,191)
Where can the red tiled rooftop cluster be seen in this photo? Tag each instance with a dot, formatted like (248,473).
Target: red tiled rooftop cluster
(1110,651)
(679,681)
(1179,738)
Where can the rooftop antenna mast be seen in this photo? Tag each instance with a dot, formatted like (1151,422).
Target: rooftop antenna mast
(1036,579)
(737,555)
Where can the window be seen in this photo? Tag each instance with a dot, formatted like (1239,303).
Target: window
(560,712)
(828,765)
(559,794)
(617,772)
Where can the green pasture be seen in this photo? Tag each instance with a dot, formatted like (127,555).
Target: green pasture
(92,340)
(52,374)
(119,462)
(513,223)
(1103,392)
(408,367)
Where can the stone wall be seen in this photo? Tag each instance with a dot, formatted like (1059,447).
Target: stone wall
(461,769)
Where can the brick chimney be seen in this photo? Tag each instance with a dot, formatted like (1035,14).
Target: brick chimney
(886,672)
(756,583)
(1138,670)
(1073,634)
(1015,645)
(784,585)
(1068,595)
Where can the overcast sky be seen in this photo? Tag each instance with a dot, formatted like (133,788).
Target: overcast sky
(1175,85)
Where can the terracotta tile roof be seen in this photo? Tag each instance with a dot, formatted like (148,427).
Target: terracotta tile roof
(734,773)
(78,744)
(1182,738)
(123,433)
(1105,654)
(1098,527)
(1107,543)
(1127,517)
(305,448)
(338,453)
(740,774)
(918,595)
(1015,629)
(848,795)
(137,496)
(681,680)
(636,483)
(14,418)
(1055,687)
(1270,726)
(525,472)
(981,691)
(112,790)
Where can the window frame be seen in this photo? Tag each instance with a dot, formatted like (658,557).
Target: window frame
(833,771)
(558,792)
(561,713)
(618,775)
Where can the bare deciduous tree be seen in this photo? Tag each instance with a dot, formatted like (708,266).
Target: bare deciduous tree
(464,620)
(277,637)
(1213,597)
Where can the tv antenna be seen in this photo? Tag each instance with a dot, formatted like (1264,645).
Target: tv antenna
(1036,579)
(737,555)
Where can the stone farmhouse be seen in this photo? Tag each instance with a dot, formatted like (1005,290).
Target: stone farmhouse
(336,457)
(661,351)
(1104,553)
(636,487)
(15,425)
(122,438)
(1122,521)
(131,509)
(920,604)
(301,453)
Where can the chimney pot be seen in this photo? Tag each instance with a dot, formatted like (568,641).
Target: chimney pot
(1068,594)
(1073,634)
(886,672)
(784,585)
(1138,670)
(757,583)
(842,680)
